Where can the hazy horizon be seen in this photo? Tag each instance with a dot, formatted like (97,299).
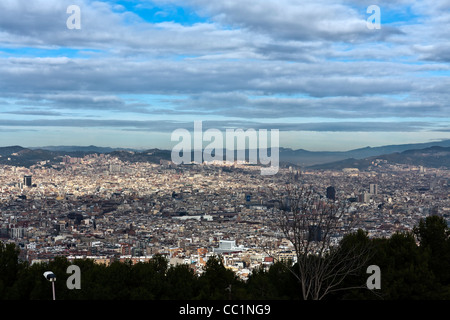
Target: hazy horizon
(168,149)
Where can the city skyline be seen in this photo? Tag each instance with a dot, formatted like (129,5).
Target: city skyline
(136,71)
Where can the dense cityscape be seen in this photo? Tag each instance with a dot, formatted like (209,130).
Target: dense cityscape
(101,208)
(99,99)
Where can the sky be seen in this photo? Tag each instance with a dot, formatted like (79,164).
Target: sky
(135,71)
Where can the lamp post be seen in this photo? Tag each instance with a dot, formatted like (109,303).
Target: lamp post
(50,276)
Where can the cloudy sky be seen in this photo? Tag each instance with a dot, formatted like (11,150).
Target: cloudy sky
(138,70)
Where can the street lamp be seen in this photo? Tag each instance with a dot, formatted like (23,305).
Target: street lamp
(50,276)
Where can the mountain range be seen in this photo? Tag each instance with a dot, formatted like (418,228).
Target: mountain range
(306,158)
(431,154)
(432,157)
(26,157)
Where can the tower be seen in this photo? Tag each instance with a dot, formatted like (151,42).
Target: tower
(27,181)
(331,193)
(314,233)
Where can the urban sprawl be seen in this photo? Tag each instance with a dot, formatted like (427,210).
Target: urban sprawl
(100,208)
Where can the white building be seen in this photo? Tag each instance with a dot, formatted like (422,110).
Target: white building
(226,246)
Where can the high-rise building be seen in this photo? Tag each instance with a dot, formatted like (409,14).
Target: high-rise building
(27,181)
(373,188)
(331,193)
(314,233)
(364,197)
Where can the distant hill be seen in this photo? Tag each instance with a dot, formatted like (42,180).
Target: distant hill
(151,155)
(26,157)
(88,149)
(18,156)
(432,157)
(6,151)
(304,158)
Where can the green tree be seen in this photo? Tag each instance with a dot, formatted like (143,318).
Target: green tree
(10,267)
(117,280)
(276,283)
(405,271)
(182,283)
(148,279)
(31,284)
(354,285)
(218,282)
(433,234)
(94,283)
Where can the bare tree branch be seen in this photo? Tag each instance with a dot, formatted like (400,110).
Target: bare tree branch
(314,226)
